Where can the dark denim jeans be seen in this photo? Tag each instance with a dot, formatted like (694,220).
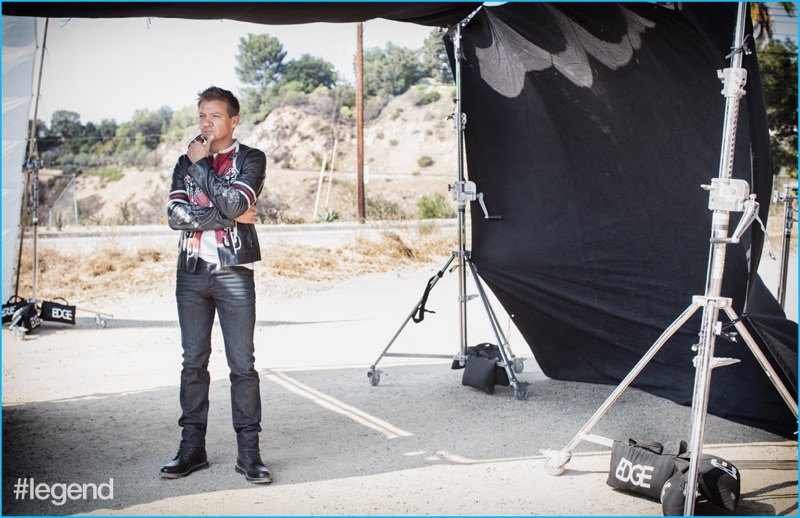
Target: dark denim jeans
(231,293)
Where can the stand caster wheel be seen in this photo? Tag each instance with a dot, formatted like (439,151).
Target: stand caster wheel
(552,467)
(521,391)
(374,377)
(519,365)
(100,322)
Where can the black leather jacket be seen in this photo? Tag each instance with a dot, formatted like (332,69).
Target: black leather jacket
(231,195)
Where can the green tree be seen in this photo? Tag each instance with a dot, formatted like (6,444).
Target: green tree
(107,129)
(310,72)
(101,138)
(260,68)
(45,140)
(252,105)
(66,127)
(778,68)
(147,126)
(259,63)
(90,137)
(434,58)
(391,71)
(180,123)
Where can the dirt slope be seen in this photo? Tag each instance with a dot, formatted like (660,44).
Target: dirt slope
(297,144)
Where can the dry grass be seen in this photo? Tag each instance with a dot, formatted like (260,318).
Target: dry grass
(288,268)
(391,252)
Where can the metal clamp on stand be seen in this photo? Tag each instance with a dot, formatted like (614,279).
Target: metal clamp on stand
(732,195)
(464,191)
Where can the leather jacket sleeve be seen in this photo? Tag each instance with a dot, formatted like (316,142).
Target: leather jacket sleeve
(183,216)
(235,199)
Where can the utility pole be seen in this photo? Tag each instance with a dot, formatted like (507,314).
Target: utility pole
(360,121)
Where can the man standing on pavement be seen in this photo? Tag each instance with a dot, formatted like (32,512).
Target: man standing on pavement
(212,201)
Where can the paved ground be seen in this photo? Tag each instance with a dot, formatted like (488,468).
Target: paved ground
(86,405)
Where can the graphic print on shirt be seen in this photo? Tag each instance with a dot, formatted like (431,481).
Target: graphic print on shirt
(225,168)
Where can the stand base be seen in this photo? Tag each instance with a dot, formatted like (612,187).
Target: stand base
(511,363)
(556,460)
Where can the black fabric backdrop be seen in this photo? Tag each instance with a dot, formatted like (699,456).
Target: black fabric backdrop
(590,130)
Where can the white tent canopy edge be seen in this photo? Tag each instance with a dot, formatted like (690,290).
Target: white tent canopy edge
(19,56)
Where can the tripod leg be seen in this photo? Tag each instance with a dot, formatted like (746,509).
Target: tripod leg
(557,459)
(520,388)
(516,363)
(762,360)
(374,374)
(511,360)
(703,364)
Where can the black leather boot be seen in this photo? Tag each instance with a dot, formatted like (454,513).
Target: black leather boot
(252,467)
(185,462)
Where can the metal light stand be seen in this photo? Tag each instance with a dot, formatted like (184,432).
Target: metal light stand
(463,191)
(32,173)
(726,195)
(789,219)
(34,165)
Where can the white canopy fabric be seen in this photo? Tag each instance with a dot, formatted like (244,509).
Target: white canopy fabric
(19,56)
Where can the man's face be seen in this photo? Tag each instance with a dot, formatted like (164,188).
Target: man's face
(216,124)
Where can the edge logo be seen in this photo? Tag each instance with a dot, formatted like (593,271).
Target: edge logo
(63,314)
(637,474)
